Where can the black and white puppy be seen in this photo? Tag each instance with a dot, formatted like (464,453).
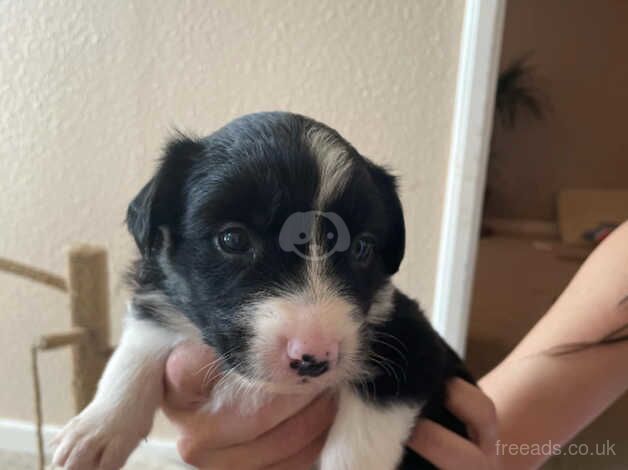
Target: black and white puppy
(273,241)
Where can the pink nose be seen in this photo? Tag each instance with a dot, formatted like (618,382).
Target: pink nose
(311,358)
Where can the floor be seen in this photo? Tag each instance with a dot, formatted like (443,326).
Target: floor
(15,461)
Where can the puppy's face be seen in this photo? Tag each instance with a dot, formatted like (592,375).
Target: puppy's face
(277,240)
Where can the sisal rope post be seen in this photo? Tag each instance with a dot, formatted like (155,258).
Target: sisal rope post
(45,343)
(34,274)
(58,340)
(88,288)
(39,418)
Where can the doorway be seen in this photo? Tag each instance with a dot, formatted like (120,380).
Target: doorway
(557,178)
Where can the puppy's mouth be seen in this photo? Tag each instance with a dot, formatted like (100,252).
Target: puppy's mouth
(298,372)
(293,386)
(284,373)
(246,392)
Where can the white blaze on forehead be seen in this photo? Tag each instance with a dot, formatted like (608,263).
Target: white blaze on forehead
(334,162)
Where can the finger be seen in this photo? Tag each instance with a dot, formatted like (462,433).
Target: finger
(288,438)
(62,452)
(190,370)
(60,456)
(83,456)
(476,410)
(227,426)
(444,448)
(304,459)
(116,454)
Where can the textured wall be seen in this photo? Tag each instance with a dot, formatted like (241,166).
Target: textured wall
(578,51)
(90,90)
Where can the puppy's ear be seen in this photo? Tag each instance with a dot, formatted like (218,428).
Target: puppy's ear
(160,201)
(395,243)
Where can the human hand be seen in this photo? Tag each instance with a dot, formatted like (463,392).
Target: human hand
(288,433)
(446,449)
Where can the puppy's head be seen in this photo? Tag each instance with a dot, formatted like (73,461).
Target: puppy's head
(277,239)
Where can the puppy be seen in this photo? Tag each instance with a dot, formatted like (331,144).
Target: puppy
(273,241)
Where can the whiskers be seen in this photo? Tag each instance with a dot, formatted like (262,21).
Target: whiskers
(214,368)
(233,388)
(396,369)
(230,386)
(241,381)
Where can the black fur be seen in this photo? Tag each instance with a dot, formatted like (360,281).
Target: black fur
(421,364)
(257,171)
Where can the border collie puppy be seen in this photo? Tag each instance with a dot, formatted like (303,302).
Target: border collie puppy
(273,241)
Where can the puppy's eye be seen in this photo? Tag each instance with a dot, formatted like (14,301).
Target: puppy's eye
(234,240)
(362,249)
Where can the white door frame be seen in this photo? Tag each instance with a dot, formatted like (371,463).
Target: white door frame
(466,174)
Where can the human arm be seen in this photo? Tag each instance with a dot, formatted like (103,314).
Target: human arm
(541,396)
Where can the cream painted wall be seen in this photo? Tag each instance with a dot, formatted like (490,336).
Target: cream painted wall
(89,91)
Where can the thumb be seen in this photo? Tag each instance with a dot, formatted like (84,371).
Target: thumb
(191,370)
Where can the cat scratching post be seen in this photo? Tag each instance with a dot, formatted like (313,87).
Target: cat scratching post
(88,287)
